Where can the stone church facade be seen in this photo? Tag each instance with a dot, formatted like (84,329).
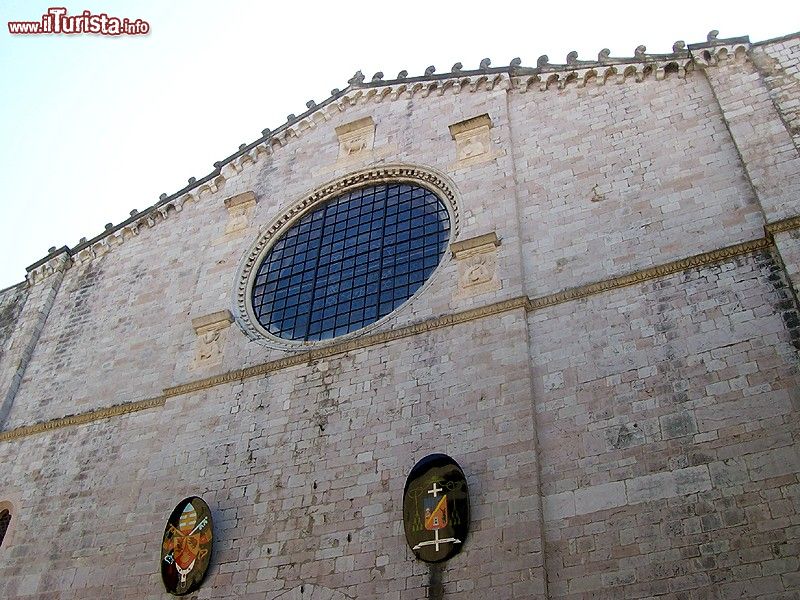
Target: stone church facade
(608,347)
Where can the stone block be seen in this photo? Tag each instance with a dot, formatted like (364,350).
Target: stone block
(677,425)
(559,506)
(599,497)
(773,463)
(668,484)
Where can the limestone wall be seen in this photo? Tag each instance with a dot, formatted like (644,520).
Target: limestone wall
(616,178)
(304,470)
(778,63)
(619,381)
(119,313)
(11,302)
(667,429)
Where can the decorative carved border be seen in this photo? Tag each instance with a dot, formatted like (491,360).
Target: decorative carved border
(720,54)
(464,246)
(670,268)
(423,176)
(57,262)
(350,345)
(783,225)
(81,418)
(520,302)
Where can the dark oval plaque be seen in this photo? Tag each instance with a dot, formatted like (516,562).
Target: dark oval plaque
(186,549)
(436,508)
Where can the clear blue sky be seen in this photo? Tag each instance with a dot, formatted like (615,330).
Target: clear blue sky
(92,126)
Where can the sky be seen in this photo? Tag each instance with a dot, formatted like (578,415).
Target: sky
(94,126)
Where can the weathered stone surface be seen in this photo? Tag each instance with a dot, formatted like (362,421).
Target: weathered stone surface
(599,497)
(631,439)
(774,463)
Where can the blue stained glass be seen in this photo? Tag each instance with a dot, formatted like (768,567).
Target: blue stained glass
(350,262)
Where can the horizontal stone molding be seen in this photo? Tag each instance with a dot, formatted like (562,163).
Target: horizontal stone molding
(518,303)
(215,320)
(670,268)
(82,418)
(350,345)
(487,239)
(783,225)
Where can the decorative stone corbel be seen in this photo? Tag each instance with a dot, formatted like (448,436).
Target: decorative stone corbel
(239,210)
(477,265)
(57,261)
(356,148)
(473,141)
(356,139)
(210,330)
(715,51)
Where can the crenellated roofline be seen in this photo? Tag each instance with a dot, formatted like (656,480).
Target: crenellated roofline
(513,77)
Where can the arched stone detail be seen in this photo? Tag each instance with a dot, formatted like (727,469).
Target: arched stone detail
(426,177)
(311,592)
(8,519)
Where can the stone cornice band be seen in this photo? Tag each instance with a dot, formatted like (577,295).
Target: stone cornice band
(520,302)
(783,225)
(81,418)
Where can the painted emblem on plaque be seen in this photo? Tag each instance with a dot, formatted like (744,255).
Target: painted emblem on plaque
(436,508)
(186,549)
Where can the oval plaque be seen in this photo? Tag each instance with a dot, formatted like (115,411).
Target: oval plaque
(436,508)
(186,550)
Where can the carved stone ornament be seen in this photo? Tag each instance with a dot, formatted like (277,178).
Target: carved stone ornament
(356,148)
(356,139)
(473,141)
(477,265)
(436,508)
(186,548)
(239,208)
(210,331)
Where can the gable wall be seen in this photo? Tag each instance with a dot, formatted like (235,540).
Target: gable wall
(629,439)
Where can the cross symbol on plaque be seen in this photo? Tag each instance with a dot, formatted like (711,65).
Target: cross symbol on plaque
(437,541)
